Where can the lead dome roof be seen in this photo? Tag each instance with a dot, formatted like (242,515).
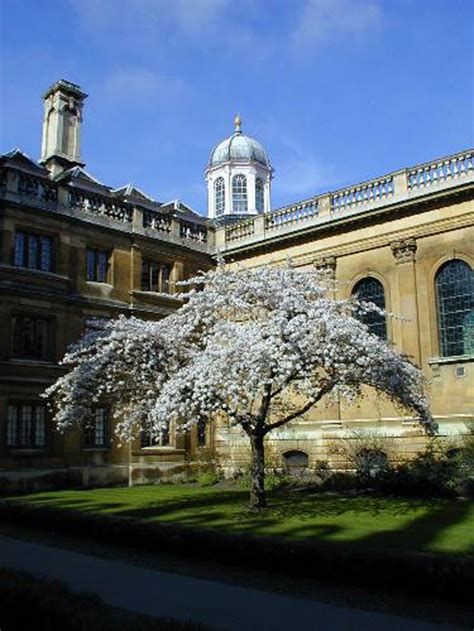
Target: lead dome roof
(238,147)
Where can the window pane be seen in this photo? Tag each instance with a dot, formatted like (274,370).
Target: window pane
(26,425)
(239,194)
(259,195)
(371,290)
(165,279)
(33,251)
(201,433)
(32,337)
(154,276)
(165,435)
(29,337)
(12,426)
(90,264)
(42,342)
(101,266)
(455,302)
(145,276)
(40,429)
(219,192)
(19,250)
(46,261)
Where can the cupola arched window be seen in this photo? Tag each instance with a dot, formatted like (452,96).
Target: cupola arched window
(259,195)
(455,305)
(219,194)
(239,194)
(371,290)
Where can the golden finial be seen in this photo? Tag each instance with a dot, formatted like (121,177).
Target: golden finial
(238,123)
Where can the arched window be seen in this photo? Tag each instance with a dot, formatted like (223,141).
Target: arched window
(371,290)
(295,462)
(455,302)
(219,193)
(370,463)
(239,194)
(259,195)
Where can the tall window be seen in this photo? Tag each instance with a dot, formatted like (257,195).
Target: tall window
(371,290)
(32,337)
(97,265)
(219,194)
(33,251)
(259,195)
(163,440)
(239,194)
(455,302)
(26,426)
(201,433)
(96,433)
(155,276)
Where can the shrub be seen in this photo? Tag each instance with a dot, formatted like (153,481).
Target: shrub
(207,478)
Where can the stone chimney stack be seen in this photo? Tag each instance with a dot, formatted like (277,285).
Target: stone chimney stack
(61,146)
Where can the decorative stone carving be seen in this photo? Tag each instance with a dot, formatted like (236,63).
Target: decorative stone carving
(326,265)
(404,250)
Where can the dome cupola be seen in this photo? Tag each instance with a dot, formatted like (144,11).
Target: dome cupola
(238,176)
(238,147)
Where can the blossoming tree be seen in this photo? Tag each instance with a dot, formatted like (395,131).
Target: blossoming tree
(256,348)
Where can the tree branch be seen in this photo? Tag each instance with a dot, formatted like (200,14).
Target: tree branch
(324,390)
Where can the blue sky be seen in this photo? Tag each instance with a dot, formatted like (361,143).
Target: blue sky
(338,91)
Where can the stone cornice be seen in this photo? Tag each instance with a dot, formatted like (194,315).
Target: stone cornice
(371,243)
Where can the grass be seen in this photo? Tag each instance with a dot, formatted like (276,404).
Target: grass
(441,526)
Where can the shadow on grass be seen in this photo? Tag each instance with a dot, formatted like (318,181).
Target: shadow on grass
(227,510)
(423,531)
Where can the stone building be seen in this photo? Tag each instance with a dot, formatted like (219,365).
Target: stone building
(73,248)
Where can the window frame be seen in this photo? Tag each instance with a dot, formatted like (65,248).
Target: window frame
(18,431)
(164,440)
(444,344)
(95,253)
(219,196)
(22,257)
(162,271)
(18,344)
(91,430)
(372,325)
(202,433)
(240,203)
(259,195)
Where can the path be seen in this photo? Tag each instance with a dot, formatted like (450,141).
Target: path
(156,593)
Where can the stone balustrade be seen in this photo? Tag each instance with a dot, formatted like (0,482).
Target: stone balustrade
(418,181)
(363,194)
(291,214)
(442,170)
(22,187)
(157,221)
(384,191)
(36,188)
(192,231)
(98,205)
(240,230)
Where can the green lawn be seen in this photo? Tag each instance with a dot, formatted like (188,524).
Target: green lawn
(442,526)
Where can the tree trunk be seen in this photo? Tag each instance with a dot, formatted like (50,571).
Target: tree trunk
(257,483)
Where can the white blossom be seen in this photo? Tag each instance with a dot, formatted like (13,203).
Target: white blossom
(259,347)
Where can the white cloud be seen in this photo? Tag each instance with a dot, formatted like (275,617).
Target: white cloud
(334,21)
